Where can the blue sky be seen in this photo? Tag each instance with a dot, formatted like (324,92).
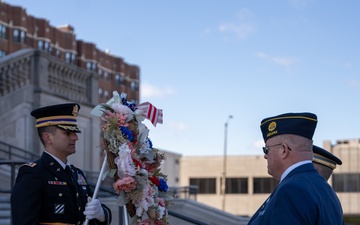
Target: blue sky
(204,60)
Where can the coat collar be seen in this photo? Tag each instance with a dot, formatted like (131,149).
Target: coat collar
(55,168)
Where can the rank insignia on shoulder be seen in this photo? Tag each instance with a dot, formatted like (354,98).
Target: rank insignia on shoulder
(31,164)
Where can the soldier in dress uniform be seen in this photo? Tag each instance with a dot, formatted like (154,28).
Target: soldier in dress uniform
(50,190)
(324,161)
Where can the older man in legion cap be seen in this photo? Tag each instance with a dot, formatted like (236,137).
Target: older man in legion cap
(302,197)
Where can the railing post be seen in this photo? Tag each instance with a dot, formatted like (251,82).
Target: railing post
(10,152)
(12,179)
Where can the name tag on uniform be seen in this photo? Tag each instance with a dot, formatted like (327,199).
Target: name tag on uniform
(57,182)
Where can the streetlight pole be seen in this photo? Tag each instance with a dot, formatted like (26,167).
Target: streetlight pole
(224,164)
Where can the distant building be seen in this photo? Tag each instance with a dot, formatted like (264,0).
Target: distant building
(19,30)
(346,177)
(248,183)
(171,167)
(43,65)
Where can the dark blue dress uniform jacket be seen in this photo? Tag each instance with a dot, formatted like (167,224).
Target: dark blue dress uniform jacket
(303,197)
(45,193)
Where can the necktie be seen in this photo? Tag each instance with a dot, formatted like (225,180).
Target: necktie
(75,186)
(69,172)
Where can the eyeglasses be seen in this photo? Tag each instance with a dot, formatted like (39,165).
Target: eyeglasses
(267,148)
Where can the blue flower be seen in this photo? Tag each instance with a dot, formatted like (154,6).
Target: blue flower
(127,133)
(149,143)
(163,185)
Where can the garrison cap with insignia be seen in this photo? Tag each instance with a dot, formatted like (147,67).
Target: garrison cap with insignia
(62,116)
(302,124)
(325,158)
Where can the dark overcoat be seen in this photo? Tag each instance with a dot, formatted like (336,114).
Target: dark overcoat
(45,193)
(303,197)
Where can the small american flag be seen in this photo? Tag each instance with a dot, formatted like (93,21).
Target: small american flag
(151,112)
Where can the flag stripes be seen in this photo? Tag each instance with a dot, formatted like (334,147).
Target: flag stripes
(150,112)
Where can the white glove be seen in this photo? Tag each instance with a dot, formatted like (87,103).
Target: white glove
(93,210)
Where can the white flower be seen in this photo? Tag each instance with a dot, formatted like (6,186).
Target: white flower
(143,133)
(124,162)
(124,110)
(161,210)
(146,152)
(141,206)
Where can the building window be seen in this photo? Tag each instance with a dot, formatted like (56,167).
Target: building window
(106,94)
(236,186)
(67,57)
(100,72)
(58,53)
(106,75)
(88,66)
(118,79)
(73,57)
(346,182)
(46,45)
(2,53)
(100,91)
(264,185)
(19,36)
(133,100)
(2,31)
(22,36)
(134,86)
(40,44)
(16,35)
(205,185)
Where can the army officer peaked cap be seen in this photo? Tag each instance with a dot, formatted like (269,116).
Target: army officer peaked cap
(62,116)
(325,158)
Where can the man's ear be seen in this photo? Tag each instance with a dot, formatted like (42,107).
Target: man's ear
(47,137)
(286,150)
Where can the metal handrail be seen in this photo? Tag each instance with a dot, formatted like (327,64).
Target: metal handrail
(13,164)
(10,152)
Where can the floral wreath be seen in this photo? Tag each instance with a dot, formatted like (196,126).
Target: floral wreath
(132,161)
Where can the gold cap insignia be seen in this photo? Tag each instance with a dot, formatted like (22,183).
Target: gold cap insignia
(75,110)
(272,126)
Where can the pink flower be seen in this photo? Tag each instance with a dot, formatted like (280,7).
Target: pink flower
(159,222)
(122,119)
(152,167)
(107,115)
(145,222)
(127,184)
(160,201)
(160,158)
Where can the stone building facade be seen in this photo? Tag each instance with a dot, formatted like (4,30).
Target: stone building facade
(30,79)
(19,30)
(42,65)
